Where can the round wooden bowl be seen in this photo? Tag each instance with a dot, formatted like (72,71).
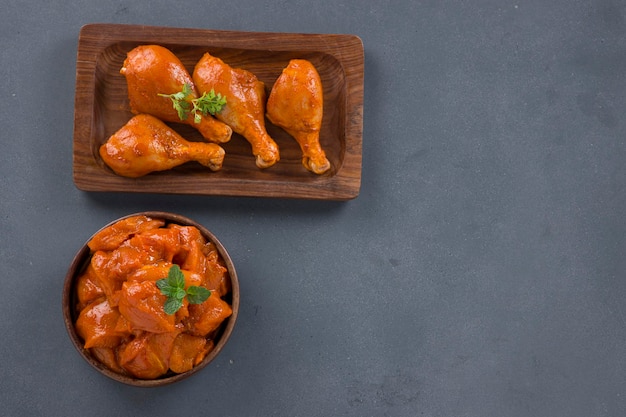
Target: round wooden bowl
(70,314)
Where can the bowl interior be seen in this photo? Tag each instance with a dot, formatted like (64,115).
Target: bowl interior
(70,314)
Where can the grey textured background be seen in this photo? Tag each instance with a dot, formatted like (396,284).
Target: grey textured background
(479,273)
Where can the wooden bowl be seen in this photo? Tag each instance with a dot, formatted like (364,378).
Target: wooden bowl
(70,314)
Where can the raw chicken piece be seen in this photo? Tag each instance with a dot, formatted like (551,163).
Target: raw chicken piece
(146,144)
(151,70)
(244,111)
(296,104)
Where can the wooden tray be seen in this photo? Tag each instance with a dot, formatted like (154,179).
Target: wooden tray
(102,107)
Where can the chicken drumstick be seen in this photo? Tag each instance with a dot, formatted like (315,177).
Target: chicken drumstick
(153,71)
(146,144)
(296,104)
(244,111)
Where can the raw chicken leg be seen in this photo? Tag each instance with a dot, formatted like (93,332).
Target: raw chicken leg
(296,104)
(151,70)
(146,144)
(245,108)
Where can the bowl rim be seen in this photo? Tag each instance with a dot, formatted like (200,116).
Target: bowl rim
(79,262)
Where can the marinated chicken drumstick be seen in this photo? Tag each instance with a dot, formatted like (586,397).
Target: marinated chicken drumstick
(152,72)
(244,111)
(146,144)
(296,104)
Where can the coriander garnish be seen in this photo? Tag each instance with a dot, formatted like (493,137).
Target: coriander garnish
(174,288)
(208,103)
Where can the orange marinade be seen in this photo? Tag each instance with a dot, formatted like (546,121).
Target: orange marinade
(121,317)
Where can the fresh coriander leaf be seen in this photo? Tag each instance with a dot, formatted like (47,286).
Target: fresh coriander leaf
(172,305)
(209,103)
(179,101)
(182,108)
(187,90)
(197,295)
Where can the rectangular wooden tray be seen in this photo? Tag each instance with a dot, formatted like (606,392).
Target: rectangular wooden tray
(102,107)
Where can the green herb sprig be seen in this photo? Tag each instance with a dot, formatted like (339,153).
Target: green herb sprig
(209,103)
(174,288)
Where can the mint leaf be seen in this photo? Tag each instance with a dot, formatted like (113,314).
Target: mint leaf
(173,287)
(197,295)
(164,286)
(176,278)
(172,305)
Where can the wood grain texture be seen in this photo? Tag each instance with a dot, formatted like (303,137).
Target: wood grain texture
(102,107)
